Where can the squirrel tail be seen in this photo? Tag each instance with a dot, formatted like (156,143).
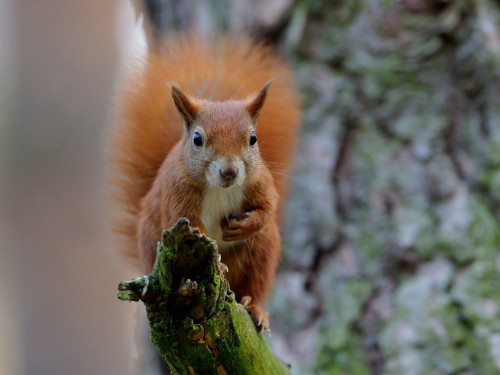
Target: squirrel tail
(147,125)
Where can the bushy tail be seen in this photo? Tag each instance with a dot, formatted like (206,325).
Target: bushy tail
(147,124)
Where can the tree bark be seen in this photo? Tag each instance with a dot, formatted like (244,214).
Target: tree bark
(195,322)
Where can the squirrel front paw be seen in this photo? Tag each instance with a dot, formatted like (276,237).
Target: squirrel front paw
(260,317)
(237,227)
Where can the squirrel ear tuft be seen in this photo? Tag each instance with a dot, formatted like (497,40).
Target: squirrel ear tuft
(187,107)
(256,101)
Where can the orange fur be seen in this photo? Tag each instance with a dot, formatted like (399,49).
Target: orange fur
(151,167)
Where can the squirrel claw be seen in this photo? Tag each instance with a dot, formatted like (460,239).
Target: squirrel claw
(237,227)
(223,268)
(235,221)
(240,217)
(245,301)
(260,317)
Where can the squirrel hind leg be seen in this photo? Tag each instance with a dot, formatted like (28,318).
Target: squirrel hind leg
(260,317)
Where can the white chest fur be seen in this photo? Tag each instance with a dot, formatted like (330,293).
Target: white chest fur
(217,204)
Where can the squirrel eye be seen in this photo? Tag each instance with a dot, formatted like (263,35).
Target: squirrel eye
(197,139)
(253,138)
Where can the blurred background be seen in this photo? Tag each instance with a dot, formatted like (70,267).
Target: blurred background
(59,64)
(392,235)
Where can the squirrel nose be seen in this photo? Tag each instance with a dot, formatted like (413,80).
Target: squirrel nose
(229,172)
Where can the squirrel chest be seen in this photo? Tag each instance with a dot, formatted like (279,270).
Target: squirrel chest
(219,203)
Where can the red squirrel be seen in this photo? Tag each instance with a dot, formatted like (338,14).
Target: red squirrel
(200,134)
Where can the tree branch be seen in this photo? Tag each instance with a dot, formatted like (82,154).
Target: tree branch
(194,319)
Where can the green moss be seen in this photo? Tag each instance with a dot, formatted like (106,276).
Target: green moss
(195,324)
(184,347)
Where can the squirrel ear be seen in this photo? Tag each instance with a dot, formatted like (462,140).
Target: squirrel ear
(186,106)
(255,103)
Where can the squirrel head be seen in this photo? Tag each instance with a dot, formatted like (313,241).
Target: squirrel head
(220,147)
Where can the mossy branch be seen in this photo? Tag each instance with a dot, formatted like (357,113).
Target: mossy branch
(194,319)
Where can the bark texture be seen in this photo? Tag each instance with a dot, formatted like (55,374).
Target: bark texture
(392,236)
(393,227)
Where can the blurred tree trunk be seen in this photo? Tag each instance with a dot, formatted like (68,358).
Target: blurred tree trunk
(392,238)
